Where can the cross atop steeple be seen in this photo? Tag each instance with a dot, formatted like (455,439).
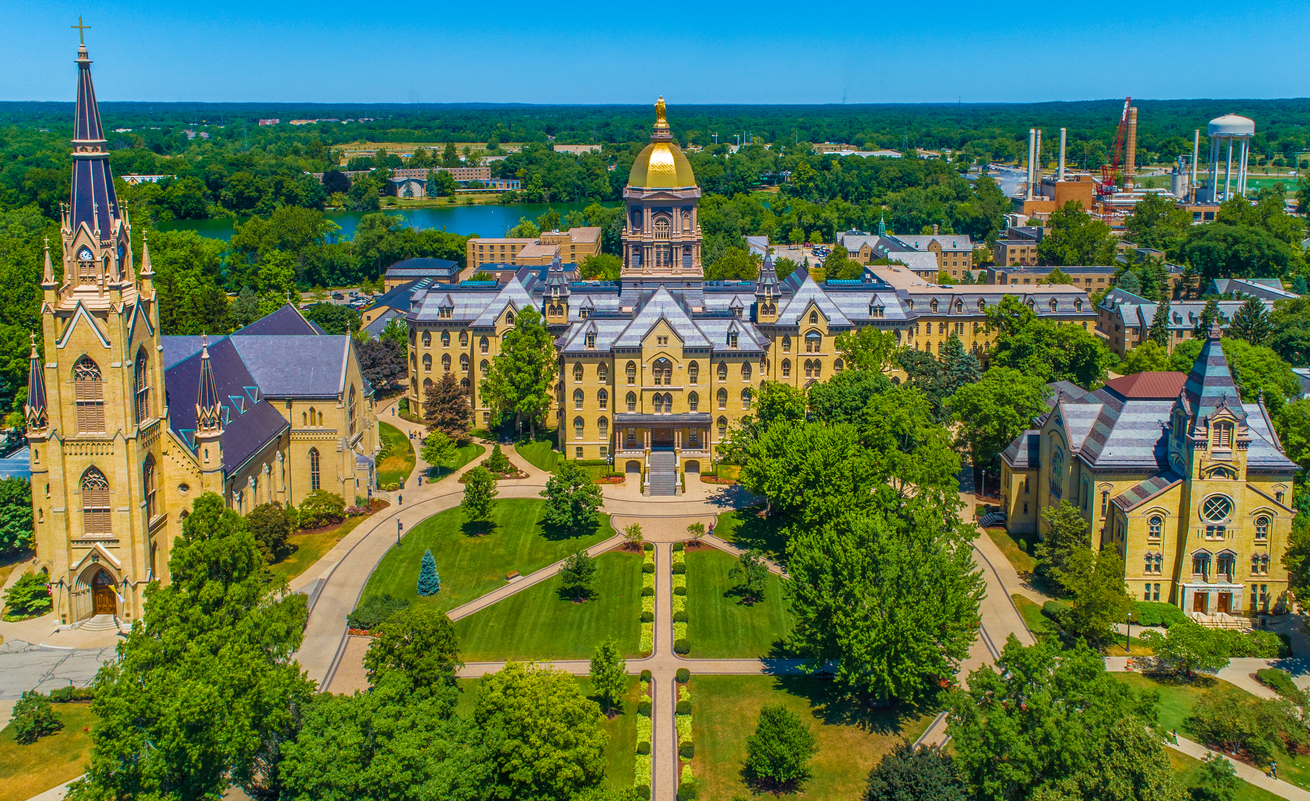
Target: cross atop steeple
(81,29)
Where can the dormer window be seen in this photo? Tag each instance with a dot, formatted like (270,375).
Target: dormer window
(959,306)
(445,312)
(509,318)
(1078,304)
(982,305)
(1054,304)
(584,313)
(814,318)
(732,339)
(591,340)
(1221,435)
(934,305)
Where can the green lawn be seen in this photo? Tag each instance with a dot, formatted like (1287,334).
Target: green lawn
(1037,623)
(746,529)
(463,455)
(851,740)
(1023,563)
(311,546)
(26,770)
(538,624)
(396,466)
(540,453)
(719,625)
(1189,774)
(621,746)
(1177,700)
(473,565)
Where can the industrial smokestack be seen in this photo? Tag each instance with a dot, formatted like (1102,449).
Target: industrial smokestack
(1130,155)
(1037,166)
(1196,152)
(1032,153)
(1059,176)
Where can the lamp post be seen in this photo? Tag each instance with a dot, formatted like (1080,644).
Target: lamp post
(1128,646)
(399,527)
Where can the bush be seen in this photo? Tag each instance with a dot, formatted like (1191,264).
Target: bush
(370,614)
(497,462)
(270,524)
(33,718)
(647,617)
(28,597)
(643,707)
(645,675)
(687,750)
(682,676)
(647,567)
(322,508)
(1023,546)
(680,616)
(643,747)
(678,546)
(679,590)
(1280,681)
(1261,644)
(1157,614)
(684,707)
(679,569)
(70,695)
(642,791)
(1056,611)
(646,592)
(646,546)
(681,646)
(687,791)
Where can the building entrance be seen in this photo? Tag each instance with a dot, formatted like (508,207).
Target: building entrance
(661,438)
(103,599)
(1225,602)
(1200,602)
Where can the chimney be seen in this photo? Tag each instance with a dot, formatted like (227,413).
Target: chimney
(1032,153)
(1196,151)
(1059,176)
(1037,164)
(934,229)
(1130,150)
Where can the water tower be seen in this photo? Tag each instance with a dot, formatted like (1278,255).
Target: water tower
(1237,131)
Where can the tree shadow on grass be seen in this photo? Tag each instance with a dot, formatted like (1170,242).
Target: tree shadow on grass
(478,528)
(555,533)
(834,705)
(763,534)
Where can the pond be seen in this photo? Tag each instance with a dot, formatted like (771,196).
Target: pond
(488,220)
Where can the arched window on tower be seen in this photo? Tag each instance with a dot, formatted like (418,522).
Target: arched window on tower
(148,488)
(95,503)
(313,470)
(427,362)
(142,387)
(427,339)
(350,409)
(89,396)
(577,399)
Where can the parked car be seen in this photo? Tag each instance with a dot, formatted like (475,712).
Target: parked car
(338,296)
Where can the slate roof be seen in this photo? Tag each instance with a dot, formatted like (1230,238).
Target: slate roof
(399,297)
(250,422)
(1262,288)
(93,201)
(1024,453)
(423,268)
(810,293)
(949,242)
(286,321)
(1135,311)
(1145,490)
(296,367)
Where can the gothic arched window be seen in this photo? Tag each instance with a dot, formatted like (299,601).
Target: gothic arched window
(723,371)
(445,362)
(313,469)
(464,362)
(427,339)
(813,342)
(427,362)
(142,387)
(603,399)
(632,402)
(693,373)
(693,402)
(745,400)
(663,372)
(577,371)
(577,399)
(786,368)
(445,339)
(578,426)
(745,371)
(89,396)
(632,372)
(602,372)
(484,344)
(463,339)
(95,503)
(723,398)
(603,428)
(148,487)
(350,404)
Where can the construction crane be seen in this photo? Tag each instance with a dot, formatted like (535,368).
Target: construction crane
(1110,171)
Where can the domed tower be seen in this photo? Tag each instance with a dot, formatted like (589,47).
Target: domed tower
(661,235)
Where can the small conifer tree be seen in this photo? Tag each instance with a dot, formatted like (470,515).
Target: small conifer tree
(429,583)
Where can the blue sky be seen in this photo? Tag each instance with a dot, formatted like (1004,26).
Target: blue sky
(587,52)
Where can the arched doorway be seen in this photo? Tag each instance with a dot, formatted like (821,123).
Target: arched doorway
(103,598)
(633,466)
(693,467)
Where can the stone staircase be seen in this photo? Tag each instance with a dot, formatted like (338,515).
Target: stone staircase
(663,473)
(100,623)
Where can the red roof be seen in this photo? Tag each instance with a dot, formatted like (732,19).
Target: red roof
(1163,386)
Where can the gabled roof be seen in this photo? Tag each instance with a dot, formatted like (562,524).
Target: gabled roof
(662,306)
(811,293)
(289,367)
(286,321)
(513,294)
(1145,490)
(1210,384)
(1158,385)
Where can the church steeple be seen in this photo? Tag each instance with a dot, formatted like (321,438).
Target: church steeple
(209,409)
(93,199)
(35,410)
(766,292)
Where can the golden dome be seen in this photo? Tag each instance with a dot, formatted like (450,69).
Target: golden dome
(661,165)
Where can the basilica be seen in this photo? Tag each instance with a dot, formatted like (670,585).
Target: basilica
(656,368)
(127,426)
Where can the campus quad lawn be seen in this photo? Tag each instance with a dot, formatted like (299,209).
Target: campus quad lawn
(851,738)
(463,455)
(1023,563)
(746,529)
(396,466)
(1177,700)
(719,625)
(536,623)
(1040,626)
(540,453)
(311,546)
(1189,775)
(26,770)
(471,565)
(620,747)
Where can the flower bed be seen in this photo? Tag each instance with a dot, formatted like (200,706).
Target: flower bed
(643,766)
(685,746)
(681,645)
(611,480)
(704,479)
(647,644)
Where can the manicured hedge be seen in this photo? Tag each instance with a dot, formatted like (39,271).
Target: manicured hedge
(682,676)
(1157,614)
(1280,681)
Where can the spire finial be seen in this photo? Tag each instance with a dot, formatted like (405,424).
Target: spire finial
(32,336)
(81,31)
(49,276)
(661,121)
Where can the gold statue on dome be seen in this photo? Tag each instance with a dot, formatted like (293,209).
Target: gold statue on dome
(659,112)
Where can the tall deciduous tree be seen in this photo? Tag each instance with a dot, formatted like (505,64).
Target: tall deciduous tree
(480,493)
(890,595)
(810,472)
(446,408)
(577,574)
(572,498)
(381,361)
(750,573)
(522,377)
(542,735)
(778,754)
(1066,537)
(1049,350)
(418,643)
(1047,724)
(1075,237)
(1099,599)
(1157,223)
(995,410)
(609,673)
(1187,647)
(438,449)
(206,686)
(910,773)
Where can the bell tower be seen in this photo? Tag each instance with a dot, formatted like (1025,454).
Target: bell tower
(96,403)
